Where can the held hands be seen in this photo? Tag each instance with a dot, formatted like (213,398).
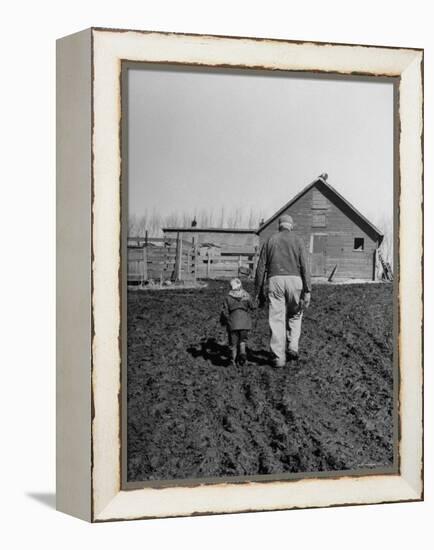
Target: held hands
(261,300)
(305,300)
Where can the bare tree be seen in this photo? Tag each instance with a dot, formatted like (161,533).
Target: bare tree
(142,225)
(206,218)
(385,225)
(234,218)
(132,225)
(252,221)
(173,219)
(221,222)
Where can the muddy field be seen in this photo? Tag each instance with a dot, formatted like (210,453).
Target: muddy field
(192,416)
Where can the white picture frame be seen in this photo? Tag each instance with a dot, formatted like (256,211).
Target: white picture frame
(89,297)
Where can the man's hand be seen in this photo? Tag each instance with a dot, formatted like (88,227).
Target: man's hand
(306,300)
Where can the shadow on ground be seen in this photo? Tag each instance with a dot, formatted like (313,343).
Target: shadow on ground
(219,354)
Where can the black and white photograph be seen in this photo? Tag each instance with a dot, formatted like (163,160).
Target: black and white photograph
(259,220)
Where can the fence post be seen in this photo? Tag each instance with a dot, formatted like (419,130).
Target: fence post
(179,256)
(192,260)
(164,264)
(195,252)
(208,265)
(145,265)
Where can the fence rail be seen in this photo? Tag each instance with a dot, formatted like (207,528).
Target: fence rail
(179,260)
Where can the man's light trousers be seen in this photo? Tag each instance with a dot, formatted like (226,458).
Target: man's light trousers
(285,315)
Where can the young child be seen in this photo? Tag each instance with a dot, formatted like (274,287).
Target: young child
(236,317)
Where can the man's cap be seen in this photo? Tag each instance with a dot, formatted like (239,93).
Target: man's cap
(286,218)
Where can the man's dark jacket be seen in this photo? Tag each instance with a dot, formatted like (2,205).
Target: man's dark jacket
(282,254)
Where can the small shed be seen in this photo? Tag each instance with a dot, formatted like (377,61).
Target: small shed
(337,236)
(221,252)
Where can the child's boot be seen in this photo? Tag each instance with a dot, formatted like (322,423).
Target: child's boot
(233,355)
(243,356)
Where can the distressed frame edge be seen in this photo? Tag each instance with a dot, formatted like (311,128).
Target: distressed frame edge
(73,275)
(412,491)
(253,38)
(113,510)
(413,414)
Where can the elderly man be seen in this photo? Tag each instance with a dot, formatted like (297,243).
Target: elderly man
(283,262)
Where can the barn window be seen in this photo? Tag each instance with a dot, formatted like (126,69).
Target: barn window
(359,243)
(319,201)
(318,220)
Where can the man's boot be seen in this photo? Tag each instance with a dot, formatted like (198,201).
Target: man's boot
(243,356)
(292,355)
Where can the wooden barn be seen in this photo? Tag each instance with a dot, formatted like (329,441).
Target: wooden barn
(339,239)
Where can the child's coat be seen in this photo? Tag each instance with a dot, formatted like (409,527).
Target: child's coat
(236,310)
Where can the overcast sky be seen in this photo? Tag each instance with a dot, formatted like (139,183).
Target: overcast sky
(209,139)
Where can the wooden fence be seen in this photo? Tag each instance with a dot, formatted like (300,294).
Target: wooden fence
(174,260)
(160,260)
(214,265)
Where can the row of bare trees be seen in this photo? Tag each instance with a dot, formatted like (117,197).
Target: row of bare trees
(153,222)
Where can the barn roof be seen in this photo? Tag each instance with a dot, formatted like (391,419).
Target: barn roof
(321,182)
(208,230)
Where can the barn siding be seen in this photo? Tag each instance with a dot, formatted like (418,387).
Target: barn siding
(341,230)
